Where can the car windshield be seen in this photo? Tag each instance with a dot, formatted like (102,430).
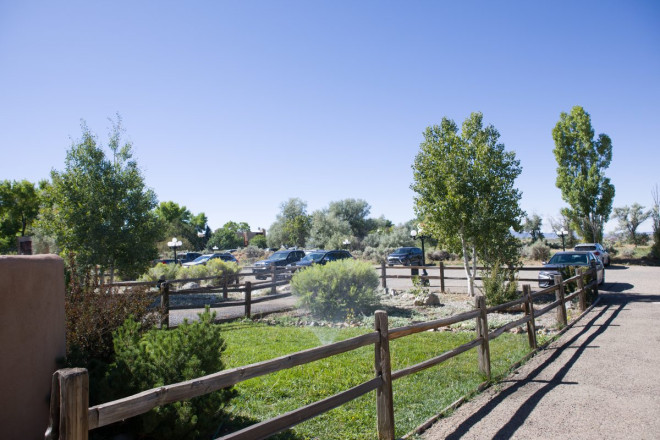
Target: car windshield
(315,256)
(277,256)
(401,251)
(568,259)
(202,258)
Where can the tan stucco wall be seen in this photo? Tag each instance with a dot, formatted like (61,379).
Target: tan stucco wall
(31,339)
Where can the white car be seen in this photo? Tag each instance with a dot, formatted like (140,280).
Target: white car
(597,249)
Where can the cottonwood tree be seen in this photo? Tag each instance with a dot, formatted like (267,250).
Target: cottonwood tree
(178,221)
(99,207)
(582,161)
(19,207)
(655,221)
(532,225)
(292,225)
(465,190)
(630,217)
(230,236)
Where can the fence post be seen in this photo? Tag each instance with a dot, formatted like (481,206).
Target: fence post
(441,265)
(528,307)
(273,287)
(595,279)
(383,367)
(559,295)
(383,276)
(583,293)
(164,305)
(225,282)
(69,403)
(248,299)
(482,332)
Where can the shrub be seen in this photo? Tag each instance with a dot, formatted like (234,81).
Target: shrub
(146,360)
(217,267)
(168,271)
(499,285)
(440,255)
(338,289)
(537,251)
(197,271)
(259,241)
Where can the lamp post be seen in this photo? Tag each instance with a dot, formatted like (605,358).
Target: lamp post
(346,242)
(563,233)
(215,249)
(418,235)
(174,244)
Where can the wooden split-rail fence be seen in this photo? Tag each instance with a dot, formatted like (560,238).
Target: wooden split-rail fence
(71,418)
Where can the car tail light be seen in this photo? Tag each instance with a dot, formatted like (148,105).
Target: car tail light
(596,253)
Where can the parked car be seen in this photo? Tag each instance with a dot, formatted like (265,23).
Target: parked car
(322,257)
(407,256)
(183,257)
(261,269)
(597,249)
(566,259)
(203,259)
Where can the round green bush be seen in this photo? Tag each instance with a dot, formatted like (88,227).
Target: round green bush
(337,289)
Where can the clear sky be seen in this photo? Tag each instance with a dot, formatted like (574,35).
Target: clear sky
(234,107)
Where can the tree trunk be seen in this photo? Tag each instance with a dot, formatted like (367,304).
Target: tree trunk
(469,274)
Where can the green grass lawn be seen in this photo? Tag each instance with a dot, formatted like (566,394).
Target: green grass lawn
(416,397)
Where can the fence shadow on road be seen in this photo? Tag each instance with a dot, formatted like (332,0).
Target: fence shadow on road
(525,409)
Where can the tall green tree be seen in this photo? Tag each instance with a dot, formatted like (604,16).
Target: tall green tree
(630,217)
(582,161)
(19,207)
(465,191)
(532,225)
(99,206)
(230,236)
(177,221)
(655,222)
(292,225)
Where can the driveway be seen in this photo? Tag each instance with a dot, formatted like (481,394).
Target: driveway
(600,380)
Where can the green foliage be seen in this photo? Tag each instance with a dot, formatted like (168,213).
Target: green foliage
(337,289)
(178,221)
(19,206)
(538,251)
(465,189)
(259,241)
(582,161)
(166,271)
(533,227)
(100,209)
(655,220)
(225,238)
(630,217)
(291,226)
(499,285)
(145,360)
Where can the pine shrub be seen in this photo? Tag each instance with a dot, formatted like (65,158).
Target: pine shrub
(338,289)
(146,360)
(499,285)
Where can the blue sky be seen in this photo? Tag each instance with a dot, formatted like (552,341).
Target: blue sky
(234,107)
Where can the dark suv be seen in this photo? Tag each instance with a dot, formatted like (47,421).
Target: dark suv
(322,257)
(408,256)
(262,268)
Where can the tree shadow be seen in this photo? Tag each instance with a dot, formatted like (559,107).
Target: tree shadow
(615,304)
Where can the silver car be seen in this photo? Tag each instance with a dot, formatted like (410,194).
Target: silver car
(597,249)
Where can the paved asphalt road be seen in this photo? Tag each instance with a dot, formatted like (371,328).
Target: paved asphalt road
(600,380)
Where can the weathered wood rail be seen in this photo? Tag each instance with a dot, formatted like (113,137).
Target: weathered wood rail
(229,283)
(71,418)
(441,271)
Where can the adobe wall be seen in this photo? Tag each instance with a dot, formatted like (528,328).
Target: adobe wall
(31,339)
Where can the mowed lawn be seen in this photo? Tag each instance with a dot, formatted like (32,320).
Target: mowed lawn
(416,397)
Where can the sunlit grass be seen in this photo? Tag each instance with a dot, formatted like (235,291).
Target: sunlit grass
(416,397)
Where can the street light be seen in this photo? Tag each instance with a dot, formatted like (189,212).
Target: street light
(174,244)
(346,243)
(215,249)
(563,233)
(418,235)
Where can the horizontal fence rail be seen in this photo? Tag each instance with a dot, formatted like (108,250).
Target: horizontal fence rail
(71,419)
